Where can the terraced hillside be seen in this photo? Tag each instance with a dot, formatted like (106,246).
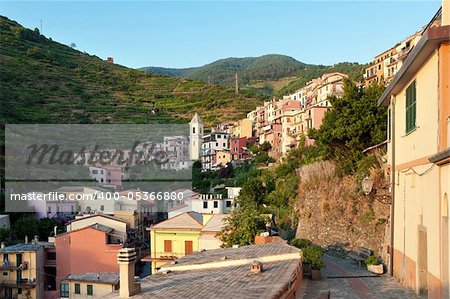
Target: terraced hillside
(42,81)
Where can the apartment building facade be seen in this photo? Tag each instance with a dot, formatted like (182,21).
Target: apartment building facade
(418,101)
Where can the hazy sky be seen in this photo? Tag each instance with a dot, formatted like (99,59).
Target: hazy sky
(188,33)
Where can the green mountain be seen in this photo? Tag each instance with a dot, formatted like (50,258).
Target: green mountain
(268,75)
(42,81)
(267,67)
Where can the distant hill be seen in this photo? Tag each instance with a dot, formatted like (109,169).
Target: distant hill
(269,74)
(42,81)
(267,67)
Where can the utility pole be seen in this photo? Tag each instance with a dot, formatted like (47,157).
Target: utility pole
(209,80)
(41,27)
(237,84)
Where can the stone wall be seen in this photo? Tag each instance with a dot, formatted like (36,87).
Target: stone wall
(335,214)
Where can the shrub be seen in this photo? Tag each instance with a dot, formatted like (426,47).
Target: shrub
(301,243)
(313,255)
(371,260)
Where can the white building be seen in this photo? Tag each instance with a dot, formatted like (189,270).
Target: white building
(195,134)
(211,144)
(207,203)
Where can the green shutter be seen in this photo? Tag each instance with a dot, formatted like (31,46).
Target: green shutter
(411,107)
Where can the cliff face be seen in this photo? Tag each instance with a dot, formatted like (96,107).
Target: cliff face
(335,214)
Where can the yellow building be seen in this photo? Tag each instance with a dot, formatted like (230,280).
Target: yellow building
(89,285)
(223,157)
(244,128)
(25,271)
(174,238)
(182,235)
(418,101)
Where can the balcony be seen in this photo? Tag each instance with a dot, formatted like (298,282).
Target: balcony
(13,266)
(24,283)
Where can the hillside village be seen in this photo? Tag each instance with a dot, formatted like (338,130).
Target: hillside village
(231,231)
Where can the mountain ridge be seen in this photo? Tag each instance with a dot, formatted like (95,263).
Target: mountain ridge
(270,74)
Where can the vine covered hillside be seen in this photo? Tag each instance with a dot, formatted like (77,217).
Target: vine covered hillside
(43,81)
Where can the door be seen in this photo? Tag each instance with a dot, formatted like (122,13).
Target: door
(188,248)
(422,261)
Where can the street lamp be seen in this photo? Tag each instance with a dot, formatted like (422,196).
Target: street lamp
(367,185)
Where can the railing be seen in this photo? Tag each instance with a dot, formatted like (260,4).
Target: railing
(23,283)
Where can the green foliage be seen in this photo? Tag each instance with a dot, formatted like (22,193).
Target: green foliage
(242,226)
(301,243)
(252,194)
(354,124)
(371,260)
(5,233)
(43,81)
(30,226)
(26,226)
(266,67)
(313,255)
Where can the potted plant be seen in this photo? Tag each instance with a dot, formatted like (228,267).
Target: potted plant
(313,255)
(373,265)
(301,244)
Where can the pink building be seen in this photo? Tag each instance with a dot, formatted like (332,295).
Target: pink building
(238,148)
(86,250)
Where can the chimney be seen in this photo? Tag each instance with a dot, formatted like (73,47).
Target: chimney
(36,239)
(26,239)
(126,258)
(445,13)
(2,245)
(257,267)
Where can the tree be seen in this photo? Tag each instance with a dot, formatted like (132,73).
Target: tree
(26,226)
(242,226)
(252,194)
(73,45)
(354,124)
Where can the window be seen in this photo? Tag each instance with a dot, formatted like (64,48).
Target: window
(77,288)
(49,209)
(19,291)
(411,107)
(102,208)
(193,130)
(167,245)
(216,204)
(90,289)
(94,171)
(5,273)
(228,203)
(51,256)
(64,289)
(205,204)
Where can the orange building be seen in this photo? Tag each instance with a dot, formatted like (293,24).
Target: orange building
(86,250)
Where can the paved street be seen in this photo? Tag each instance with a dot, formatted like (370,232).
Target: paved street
(345,279)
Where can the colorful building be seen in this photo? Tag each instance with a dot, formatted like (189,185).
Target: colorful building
(89,285)
(418,102)
(28,270)
(223,158)
(89,249)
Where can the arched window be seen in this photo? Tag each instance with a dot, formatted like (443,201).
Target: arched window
(193,130)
